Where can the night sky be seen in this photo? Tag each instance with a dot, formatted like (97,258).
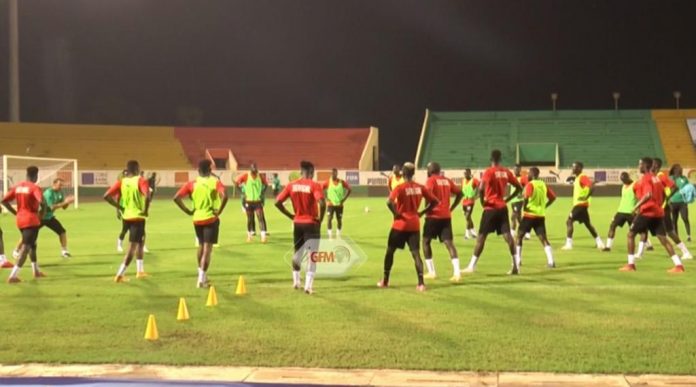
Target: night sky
(349,63)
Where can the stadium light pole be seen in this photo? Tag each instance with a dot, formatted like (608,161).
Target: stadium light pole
(677,95)
(554,98)
(14,59)
(616,95)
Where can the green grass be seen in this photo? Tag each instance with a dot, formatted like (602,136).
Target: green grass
(584,316)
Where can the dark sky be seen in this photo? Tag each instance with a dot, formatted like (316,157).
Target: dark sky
(343,63)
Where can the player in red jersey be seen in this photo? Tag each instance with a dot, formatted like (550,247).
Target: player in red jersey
(30,211)
(255,186)
(650,215)
(403,203)
(670,190)
(308,202)
(470,188)
(438,222)
(495,217)
(135,196)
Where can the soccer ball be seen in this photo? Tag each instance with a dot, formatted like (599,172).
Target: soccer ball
(367,209)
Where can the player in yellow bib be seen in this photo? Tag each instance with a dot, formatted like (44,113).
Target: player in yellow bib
(582,192)
(209,200)
(624,214)
(337,191)
(134,200)
(396,179)
(254,187)
(537,197)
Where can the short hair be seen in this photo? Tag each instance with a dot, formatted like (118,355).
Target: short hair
(435,167)
(624,175)
(334,169)
(408,169)
(496,155)
(132,166)
(467,169)
(647,161)
(518,165)
(657,161)
(205,166)
(306,165)
(534,171)
(57,179)
(673,169)
(33,171)
(579,164)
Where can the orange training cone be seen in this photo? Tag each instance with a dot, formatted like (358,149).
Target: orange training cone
(241,286)
(151,332)
(212,297)
(182,314)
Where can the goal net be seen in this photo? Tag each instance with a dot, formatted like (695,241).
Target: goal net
(14,170)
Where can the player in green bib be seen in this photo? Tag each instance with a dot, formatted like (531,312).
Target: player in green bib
(582,192)
(537,197)
(624,214)
(337,191)
(517,202)
(134,197)
(254,185)
(209,200)
(679,203)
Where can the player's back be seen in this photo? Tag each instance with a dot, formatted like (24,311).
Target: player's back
(496,180)
(25,196)
(442,188)
(304,195)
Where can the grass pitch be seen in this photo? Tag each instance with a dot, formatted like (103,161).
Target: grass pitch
(584,316)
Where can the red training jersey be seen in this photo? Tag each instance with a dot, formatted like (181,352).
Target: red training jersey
(28,197)
(304,195)
(407,197)
(496,180)
(650,183)
(442,188)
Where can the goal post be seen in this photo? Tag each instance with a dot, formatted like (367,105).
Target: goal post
(540,154)
(14,170)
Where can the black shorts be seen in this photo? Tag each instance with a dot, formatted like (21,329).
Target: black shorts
(495,220)
(438,228)
(529,224)
(621,218)
(517,206)
(54,225)
(136,231)
(399,239)
(669,223)
(207,233)
(253,206)
(303,233)
(468,208)
(642,224)
(30,235)
(580,214)
(337,210)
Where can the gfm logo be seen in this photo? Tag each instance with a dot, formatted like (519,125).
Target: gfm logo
(339,254)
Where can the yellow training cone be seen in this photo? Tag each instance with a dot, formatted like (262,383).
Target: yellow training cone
(151,332)
(241,286)
(182,314)
(212,297)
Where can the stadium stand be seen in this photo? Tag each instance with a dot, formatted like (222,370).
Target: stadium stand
(281,149)
(598,138)
(674,135)
(96,146)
